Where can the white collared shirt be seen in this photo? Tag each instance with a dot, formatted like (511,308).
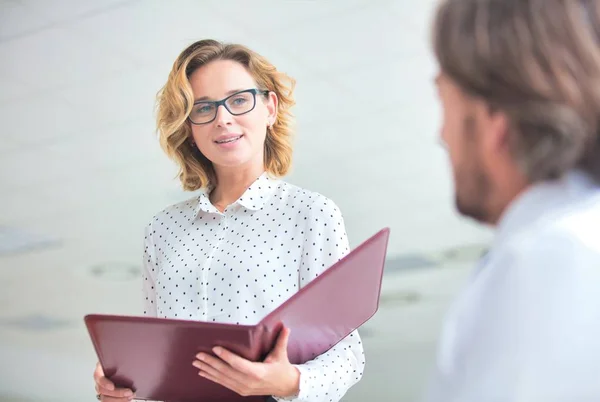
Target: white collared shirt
(239,265)
(527,326)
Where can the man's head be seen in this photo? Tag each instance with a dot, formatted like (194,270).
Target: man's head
(519,84)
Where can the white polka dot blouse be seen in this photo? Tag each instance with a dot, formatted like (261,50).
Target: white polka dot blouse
(239,265)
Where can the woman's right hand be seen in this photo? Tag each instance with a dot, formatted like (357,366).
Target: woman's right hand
(106,389)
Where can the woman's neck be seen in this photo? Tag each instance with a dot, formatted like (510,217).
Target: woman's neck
(231,185)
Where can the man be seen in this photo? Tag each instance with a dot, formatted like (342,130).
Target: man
(519,83)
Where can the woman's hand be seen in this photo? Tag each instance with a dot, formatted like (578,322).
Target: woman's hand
(106,389)
(276,376)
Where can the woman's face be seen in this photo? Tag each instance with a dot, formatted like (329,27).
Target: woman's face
(231,138)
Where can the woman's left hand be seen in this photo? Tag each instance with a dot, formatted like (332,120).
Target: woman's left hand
(276,376)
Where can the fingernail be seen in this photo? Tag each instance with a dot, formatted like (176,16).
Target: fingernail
(128,393)
(200,356)
(217,350)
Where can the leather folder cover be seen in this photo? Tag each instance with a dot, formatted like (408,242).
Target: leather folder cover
(153,356)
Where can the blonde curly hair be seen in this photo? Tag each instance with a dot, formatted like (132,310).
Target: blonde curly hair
(175,101)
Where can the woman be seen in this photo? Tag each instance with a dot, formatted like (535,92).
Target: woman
(249,241)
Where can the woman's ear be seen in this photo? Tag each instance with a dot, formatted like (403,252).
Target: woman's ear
(272,105)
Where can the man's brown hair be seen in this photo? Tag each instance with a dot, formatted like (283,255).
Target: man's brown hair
(537,61)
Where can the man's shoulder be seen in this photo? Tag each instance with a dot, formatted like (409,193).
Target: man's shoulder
(568,234)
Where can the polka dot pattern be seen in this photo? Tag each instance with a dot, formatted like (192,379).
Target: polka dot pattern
(239,265)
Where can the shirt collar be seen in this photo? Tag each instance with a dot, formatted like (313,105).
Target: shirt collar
(254,198)
(541,198)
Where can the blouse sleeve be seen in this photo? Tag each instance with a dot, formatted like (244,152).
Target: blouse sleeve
(149,271)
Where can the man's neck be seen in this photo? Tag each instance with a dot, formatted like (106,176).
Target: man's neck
(505,195)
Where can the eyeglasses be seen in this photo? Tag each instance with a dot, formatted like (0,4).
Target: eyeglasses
(239,103)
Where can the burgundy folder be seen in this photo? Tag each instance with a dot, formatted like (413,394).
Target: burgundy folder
(153,356)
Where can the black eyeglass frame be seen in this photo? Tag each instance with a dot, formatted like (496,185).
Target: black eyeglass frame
(253,91)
